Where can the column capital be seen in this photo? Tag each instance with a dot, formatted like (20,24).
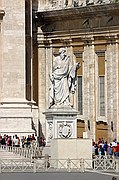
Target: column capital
(111,39)
(88,40)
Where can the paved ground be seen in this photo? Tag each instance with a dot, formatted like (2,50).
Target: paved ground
(56,176)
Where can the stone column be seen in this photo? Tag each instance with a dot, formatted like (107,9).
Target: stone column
(117,85)
(115,69)
(89,87)
(112,86)
(92,90)
(1,45)
(14,50)
(109,86)
(86,84)
(15,111)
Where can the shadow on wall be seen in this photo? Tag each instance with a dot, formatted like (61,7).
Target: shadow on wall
(35,50)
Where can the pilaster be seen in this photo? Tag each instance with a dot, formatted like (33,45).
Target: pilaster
(42,82)
(111,90)
(89,103)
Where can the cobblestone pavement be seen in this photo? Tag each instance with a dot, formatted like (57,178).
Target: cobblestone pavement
(57,176)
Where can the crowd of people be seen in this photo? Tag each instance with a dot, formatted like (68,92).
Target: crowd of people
(103,148)
(23,142)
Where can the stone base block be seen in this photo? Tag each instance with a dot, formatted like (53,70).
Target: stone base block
(17,118)
(73,149)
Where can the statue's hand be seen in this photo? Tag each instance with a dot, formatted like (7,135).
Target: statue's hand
(78,65)
(51,76)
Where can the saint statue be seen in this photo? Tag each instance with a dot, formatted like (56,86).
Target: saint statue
(63,79)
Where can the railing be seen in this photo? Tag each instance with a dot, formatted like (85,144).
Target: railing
(59,165)
(33,162)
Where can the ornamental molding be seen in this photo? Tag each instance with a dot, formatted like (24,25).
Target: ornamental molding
(65,130)
(50,131)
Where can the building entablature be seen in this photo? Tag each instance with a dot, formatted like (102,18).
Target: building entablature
(80,12)
(85,23)
(80,40)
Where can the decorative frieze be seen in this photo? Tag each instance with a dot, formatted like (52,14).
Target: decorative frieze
(56,4)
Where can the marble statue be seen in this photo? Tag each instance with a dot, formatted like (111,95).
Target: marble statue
(63,79)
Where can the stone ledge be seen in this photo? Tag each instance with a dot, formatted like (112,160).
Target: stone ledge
(61,112)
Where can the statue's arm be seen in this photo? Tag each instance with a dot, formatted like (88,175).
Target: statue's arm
(78,65)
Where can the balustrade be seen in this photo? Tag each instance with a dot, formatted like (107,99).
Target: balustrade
(59,4)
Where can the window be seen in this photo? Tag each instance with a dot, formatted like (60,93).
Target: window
(102,95)
(80,95)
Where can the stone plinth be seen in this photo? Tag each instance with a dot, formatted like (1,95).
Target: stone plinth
(73,149)
(17,118)
(61,123)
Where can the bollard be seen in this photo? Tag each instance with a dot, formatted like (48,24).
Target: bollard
(34,166)
(82,165)
(47,164)
(0,167)
(117,165)
(69,165)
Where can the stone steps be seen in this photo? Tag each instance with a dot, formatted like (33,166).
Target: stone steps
(9,155)
(5,154)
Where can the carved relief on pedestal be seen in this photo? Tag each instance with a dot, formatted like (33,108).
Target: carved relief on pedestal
(65,130)
(50,131)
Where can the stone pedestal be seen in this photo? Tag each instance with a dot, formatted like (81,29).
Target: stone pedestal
(61,123)
(17,117)
(73,149)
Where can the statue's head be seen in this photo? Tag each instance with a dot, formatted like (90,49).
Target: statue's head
(62,50)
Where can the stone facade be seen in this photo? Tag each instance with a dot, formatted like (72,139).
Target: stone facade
(93,32)
(89,31)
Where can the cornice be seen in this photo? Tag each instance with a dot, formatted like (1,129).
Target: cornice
(79,12)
